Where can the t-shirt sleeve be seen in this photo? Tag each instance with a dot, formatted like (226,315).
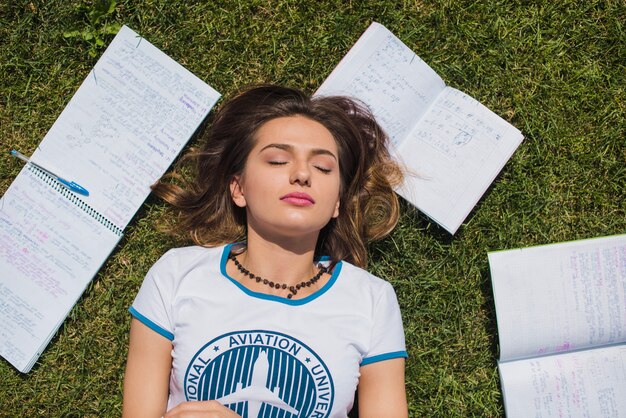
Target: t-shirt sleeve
(152,305)
(387,338)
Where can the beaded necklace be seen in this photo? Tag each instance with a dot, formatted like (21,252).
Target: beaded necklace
(292,289)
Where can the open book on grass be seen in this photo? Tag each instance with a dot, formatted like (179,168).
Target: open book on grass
(561,312)
(452,145)
(118,134)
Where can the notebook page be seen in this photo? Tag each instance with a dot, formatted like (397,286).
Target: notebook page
(125,125)
(456,150)
(50,249)
(560,297)
(385,74)
(589,383)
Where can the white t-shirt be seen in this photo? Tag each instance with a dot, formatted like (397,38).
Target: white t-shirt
(264,355)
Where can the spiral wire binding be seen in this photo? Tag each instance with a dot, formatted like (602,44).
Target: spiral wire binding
(65,192)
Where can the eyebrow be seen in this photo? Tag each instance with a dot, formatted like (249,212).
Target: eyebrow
(290,148)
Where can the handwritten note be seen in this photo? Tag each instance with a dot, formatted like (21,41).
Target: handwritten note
(49,250)
(452,145)
(125,125)
(561,311)
(579,384)
(457,149)
(560,297)
(387,75)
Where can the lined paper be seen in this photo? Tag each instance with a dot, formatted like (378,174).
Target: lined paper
(125,125)
(118,134)
(452,146)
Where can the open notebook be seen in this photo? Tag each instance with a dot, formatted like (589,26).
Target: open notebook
(452,145)
(561,311)
(121,130)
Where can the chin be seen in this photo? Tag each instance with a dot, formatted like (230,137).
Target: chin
(297,226)
(297,230)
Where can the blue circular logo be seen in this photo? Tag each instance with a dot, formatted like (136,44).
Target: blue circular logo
(261,374)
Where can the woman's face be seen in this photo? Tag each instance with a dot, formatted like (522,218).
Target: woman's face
(290,184)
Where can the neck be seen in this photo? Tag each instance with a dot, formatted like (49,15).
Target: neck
(289,260)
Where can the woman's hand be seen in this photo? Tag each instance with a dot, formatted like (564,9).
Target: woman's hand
(201,409)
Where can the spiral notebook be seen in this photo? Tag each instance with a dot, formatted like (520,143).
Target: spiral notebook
(121,130)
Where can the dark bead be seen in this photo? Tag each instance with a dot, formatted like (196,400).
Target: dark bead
(265,281)
(289,296)
(271,284)
(258,279)
(284,286)
(252,276)
(298,286)
(277,285)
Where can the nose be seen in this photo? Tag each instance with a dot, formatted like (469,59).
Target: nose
(300,173)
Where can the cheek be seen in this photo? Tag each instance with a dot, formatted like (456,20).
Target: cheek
(334,196)
(340,185)
(260,187)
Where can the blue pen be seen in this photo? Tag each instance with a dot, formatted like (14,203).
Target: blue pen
(75,187)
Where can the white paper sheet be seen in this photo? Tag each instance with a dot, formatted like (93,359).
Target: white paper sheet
(50,249)
(560,297)
(456,151)
(390,78)
(580,384)
(125,125)
(119,133)
(452,146)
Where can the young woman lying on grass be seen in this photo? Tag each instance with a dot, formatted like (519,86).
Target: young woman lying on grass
(271,313)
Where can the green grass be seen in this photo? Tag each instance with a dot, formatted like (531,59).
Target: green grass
(556,70)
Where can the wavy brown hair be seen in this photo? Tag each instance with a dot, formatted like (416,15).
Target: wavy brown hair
(369,208)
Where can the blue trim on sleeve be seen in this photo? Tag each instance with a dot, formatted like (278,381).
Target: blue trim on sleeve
(156,328)
(382,357)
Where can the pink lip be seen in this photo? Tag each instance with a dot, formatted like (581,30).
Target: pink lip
(298,199)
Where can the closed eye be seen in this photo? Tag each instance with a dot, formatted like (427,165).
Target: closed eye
(277,162)
(324,169)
